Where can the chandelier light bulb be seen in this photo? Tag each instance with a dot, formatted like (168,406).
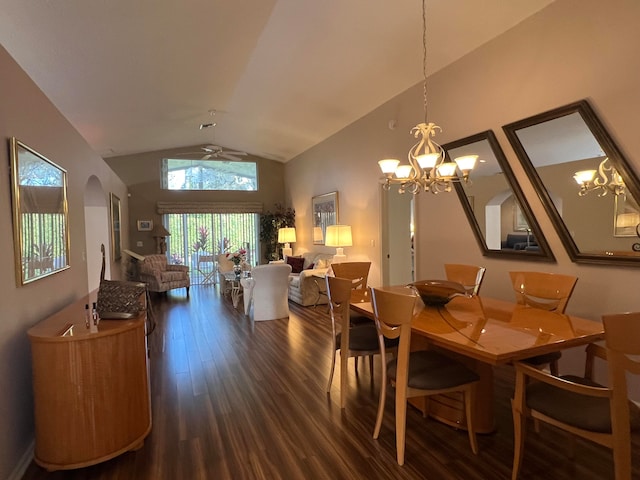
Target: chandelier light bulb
(403,171)
(447,169)
(388,165)
(428,161)
(584,176)
(466,162)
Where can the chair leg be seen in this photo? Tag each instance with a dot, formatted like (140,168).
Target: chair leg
(469,401)
(381,401)
(333,367)
(622,458)
(553,368)
(518,446)
(344,363)
(401,422)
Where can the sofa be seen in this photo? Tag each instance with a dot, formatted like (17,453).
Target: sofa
(303,284)
(518,241)
(161,276)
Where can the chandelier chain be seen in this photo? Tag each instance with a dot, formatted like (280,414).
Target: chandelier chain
(424,58)
(428,167)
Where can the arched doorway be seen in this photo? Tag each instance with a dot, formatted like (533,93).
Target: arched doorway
(96,224)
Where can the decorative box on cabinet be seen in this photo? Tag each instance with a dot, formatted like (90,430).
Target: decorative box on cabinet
(91,390)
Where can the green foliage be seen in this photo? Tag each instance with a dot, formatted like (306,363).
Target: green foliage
(270,223)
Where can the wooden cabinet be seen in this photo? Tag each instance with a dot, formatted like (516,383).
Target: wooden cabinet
(91,390)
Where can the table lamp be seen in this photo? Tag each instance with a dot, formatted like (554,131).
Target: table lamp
(159,233)
(339,236)
(287,235)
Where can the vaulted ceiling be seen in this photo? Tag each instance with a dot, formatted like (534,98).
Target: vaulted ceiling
(282,75)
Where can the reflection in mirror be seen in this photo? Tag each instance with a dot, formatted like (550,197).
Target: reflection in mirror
(40,227)
(584,182)
(497,210)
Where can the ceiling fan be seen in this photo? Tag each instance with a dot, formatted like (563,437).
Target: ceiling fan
(214,151)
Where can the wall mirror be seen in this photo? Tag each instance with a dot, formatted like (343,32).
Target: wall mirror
(584,182)
(40,217)
(496,208)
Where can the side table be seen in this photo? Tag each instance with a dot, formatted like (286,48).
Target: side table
(236,287)
(321,285)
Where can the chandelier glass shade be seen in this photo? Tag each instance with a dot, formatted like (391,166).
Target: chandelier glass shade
(428,168)
(604,180)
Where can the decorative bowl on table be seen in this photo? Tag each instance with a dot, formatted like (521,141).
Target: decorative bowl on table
(437,292)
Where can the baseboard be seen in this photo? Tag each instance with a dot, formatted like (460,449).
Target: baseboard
(23,464)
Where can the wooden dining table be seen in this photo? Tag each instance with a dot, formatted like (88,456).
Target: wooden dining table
(484,332)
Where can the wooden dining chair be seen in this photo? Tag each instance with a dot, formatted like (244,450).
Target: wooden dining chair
(470,276)
(352,341)
(417,373)
(358,273)
(581,406)
(547,291)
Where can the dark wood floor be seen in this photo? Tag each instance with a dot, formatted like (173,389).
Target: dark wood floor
(237,400)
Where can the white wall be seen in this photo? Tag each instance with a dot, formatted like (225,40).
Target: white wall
(572,49)
(29,116)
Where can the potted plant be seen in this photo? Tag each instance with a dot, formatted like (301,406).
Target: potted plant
(270,223)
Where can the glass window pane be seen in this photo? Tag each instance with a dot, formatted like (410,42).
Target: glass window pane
(180,174)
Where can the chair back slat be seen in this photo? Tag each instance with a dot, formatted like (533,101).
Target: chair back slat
(357,272)
(469,276)
(392,312)
(547,291)
(339,294)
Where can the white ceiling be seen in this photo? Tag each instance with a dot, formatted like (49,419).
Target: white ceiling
(283,75)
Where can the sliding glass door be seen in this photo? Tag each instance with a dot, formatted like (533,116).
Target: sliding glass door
(197,238)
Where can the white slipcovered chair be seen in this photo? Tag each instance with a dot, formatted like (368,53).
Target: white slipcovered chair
(268,292)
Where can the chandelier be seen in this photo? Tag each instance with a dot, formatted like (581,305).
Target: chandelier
(608,180)
(428,168)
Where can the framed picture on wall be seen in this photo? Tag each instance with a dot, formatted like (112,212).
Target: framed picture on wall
(145,225)
(325,212)
(520,223)
(115,227)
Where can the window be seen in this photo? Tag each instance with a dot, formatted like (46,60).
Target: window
(197,238)
(178,174)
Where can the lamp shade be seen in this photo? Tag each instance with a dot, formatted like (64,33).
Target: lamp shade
(338,236)
(286,235)
(584,176)
(160,231)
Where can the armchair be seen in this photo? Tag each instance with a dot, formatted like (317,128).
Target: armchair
(160,276)
(268,293)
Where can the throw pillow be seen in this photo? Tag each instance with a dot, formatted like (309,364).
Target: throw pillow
(321,263)
(310,267)
(296,264)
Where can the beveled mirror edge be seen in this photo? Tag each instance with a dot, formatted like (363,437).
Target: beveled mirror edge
(18,248)
(596,127)
(544,254)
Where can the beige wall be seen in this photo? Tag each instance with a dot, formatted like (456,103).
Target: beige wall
(571,50)
(29,116)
